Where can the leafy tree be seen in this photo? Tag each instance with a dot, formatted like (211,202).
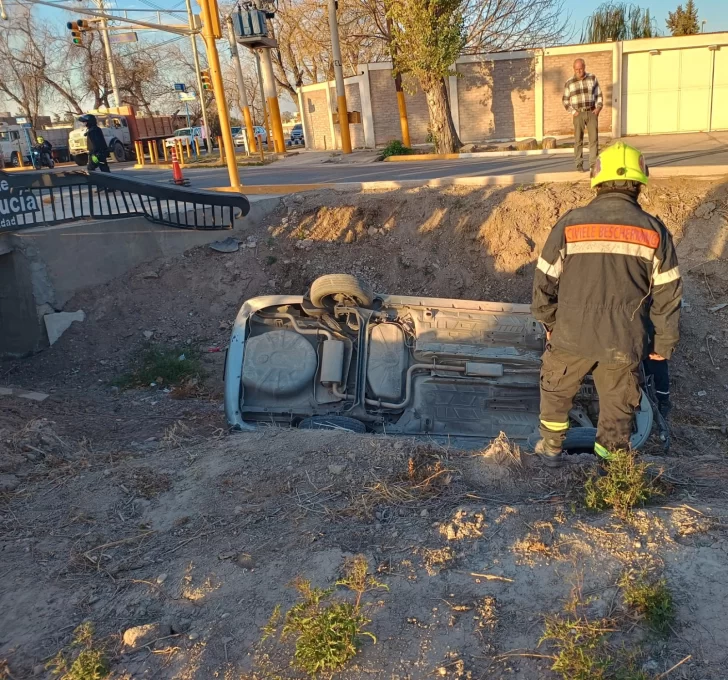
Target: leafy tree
(684,21)
(614,21)
(428,36)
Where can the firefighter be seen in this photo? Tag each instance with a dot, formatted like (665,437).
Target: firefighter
(607,289)
(95,144)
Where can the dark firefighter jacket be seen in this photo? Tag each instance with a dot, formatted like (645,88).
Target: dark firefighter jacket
(608,271)
(95,142)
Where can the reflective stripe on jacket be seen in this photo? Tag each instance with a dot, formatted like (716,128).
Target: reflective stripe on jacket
(607,271)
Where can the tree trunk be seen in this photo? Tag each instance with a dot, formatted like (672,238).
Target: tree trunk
(441,126)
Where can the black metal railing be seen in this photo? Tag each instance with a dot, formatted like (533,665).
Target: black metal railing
(32,199)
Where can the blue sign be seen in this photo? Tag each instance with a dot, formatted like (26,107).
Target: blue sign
(179,87)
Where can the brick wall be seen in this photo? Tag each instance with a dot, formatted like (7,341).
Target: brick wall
(496,99)
(317,119)
(386,113)
(353,102)
(556,71)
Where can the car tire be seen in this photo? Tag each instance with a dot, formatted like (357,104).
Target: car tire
(582,439)
(119,152)
(333,423)
(331,288)
(81,159)
(15,159)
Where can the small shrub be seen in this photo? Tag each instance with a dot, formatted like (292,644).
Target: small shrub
(270,260)
(164,365)
(396,148)
(624,485)
(650,599)
(579,645)
(328,631)
(83,659)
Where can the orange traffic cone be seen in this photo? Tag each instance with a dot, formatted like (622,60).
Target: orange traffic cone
(177,171)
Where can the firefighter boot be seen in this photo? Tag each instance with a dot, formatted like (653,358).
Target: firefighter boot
(549,453)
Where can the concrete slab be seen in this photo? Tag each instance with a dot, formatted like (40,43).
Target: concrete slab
(57,324)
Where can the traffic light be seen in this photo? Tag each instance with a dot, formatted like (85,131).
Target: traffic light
(206,80)
(75,27)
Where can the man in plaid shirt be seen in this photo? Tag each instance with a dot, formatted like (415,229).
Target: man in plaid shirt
(583,100)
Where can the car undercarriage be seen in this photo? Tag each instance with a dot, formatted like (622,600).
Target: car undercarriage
(341,357)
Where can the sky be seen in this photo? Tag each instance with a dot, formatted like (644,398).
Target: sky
(714,11)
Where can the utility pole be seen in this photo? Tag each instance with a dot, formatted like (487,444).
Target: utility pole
(263,107)
(244,108)
(109,56)
(198,74)
(271,96)
(210,32)
(339,75)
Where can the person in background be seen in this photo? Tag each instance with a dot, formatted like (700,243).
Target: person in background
(583,100)
(96,146)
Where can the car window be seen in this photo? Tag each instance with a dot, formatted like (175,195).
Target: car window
(4,136)
(236,130)
(182,133)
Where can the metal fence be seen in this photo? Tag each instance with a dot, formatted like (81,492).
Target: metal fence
(32,199)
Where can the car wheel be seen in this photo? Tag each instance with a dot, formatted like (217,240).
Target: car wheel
(119,153)
(333,423)
(15,159)
(582,439)
(81,159)
(332,288)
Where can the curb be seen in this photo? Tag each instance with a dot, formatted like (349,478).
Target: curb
(701,172)
(475,154)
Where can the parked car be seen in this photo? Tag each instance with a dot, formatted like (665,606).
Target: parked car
(342,357)
(297,134)
(184,135)
(258,131)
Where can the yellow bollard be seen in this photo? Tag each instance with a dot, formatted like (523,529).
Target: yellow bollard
(197,146)
(140,153)
(151,152)
(222,150)
(164,151)
(189,151)
(260,146)
(180,155)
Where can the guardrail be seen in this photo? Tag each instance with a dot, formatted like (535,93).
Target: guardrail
(35,199)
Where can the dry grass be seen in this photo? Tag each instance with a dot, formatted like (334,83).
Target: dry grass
(502,451)
(425,480)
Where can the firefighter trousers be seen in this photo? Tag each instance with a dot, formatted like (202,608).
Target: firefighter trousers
(619,395)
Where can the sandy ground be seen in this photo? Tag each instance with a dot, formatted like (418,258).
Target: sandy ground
(128,508)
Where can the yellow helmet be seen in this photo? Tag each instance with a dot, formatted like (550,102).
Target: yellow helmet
(619,163)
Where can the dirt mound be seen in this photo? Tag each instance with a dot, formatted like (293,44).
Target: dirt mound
(136,511)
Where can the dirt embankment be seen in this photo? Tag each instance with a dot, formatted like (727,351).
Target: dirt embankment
(131,508)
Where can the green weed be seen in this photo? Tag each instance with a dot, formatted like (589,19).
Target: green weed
(650,599)
(580,646)
(624,485)
(270,260)
(84,659)
(396,148)
(164,365)
(327,630)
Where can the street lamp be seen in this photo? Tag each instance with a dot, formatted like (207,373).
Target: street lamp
(702,25)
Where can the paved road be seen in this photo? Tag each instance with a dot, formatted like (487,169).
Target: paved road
(281,173)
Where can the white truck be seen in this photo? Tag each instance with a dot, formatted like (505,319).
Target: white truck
(121,128)
(14,144)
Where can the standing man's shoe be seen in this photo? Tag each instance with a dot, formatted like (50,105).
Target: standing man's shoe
(551,456)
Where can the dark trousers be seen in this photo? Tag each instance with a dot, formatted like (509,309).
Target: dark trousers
(660,372)
(619,395)
(586,120)
(102,165)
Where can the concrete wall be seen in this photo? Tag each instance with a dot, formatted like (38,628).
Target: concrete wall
(43,268)
(316,113)
(496,99)
(386,113)
(558,68)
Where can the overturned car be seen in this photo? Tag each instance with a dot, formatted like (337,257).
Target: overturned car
(343,357)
